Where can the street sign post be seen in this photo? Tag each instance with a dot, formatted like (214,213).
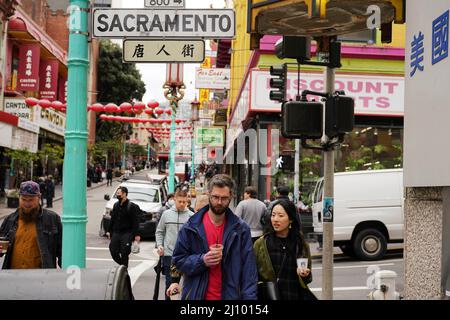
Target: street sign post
(148,23)
(164,51)
(164,4)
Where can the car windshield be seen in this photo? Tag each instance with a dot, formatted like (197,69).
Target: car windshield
(142,194)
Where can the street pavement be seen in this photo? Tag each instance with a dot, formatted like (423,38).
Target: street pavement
(351,277)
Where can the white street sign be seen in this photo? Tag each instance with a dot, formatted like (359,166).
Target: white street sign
(184,51)
(149,23)
(163,4)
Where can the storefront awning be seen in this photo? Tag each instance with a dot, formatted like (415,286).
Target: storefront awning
(21,27)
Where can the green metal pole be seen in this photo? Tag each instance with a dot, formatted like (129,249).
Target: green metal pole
(193,156)
(74,217)
(148,153)
(124,150)
(172,150)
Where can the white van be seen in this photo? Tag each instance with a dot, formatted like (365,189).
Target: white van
(368,211)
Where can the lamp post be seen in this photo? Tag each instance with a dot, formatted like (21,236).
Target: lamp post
(195,105)
(74,217)
(174,93)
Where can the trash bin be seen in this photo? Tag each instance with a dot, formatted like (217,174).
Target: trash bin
(59,284)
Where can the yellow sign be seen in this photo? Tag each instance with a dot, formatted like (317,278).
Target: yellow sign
(207,63)
(204,98)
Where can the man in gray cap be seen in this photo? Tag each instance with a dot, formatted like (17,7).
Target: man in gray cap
(31,237)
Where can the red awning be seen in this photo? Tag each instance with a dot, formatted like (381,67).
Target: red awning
(9,118)
(20,26)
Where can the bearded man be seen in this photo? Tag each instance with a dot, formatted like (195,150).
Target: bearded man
(214,250)
(33,235)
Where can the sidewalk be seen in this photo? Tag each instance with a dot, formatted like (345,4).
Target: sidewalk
(4,210)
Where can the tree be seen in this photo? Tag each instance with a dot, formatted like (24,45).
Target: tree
(117,82)
(51,153)
(21,163)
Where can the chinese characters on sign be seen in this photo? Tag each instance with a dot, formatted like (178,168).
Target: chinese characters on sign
(28,73)
(48,79)
(164,51)
(439,48)
(417,53)
(440,38)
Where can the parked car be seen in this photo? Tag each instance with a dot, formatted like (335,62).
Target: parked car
(368,211)
(148,196)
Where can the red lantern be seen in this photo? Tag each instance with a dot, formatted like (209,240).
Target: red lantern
(126,107)
(104,117)
(31,102)
(57,105)
(97,107)
(153,104)
(149,112)
(139,107)
(111,108)
(159,111)
(168,111)
(44,103)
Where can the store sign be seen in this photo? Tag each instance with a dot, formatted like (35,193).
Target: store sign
(214,78)
(17,107)
(28,72)
(164,4)
(48,85)
(24,140)
(184,51)
(28,125)
(209,136)
(62,89)
(185,23)
(52,121)
(374,95)
(427,66)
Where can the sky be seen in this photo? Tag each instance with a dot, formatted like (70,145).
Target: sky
(154,74)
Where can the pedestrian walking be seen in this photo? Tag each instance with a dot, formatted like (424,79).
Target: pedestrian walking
(167,231)
(169,204)
(109,177)
(279,255)
(31,236)
(252,210)
(124,227)
(49,191)
(214,250)
(43,190)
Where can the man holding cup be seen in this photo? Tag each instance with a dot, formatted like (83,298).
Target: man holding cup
(214,250)
(31,237)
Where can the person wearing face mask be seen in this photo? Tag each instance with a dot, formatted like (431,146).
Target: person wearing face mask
(31,236)
(167,232)
(169,204)
(124,227)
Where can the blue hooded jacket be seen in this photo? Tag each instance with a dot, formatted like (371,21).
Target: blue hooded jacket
(239,273)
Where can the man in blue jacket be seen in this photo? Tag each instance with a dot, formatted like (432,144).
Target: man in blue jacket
(214,250)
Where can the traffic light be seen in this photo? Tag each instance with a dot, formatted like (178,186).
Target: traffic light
(302,120)
(294,47)
(279,83)
(339,115)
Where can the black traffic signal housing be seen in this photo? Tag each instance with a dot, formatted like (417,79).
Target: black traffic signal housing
(302,120)
(339,115)
(279,83)
(294,47)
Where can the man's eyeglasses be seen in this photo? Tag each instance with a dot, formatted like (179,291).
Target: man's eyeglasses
(221,199)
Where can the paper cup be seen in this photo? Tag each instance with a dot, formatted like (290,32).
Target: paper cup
(302,263)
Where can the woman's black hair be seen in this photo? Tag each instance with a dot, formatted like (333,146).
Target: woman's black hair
(294,231)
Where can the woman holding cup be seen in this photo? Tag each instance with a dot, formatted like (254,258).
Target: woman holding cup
(283,257)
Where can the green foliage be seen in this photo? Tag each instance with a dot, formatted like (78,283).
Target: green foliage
(117,82)
(53,153)
(21,163)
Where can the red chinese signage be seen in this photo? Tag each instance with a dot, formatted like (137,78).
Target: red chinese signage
(28,73)
(48,79)
(62,89)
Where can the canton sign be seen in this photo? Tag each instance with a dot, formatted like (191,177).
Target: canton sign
(162,4)
(144,23)
(167,51)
